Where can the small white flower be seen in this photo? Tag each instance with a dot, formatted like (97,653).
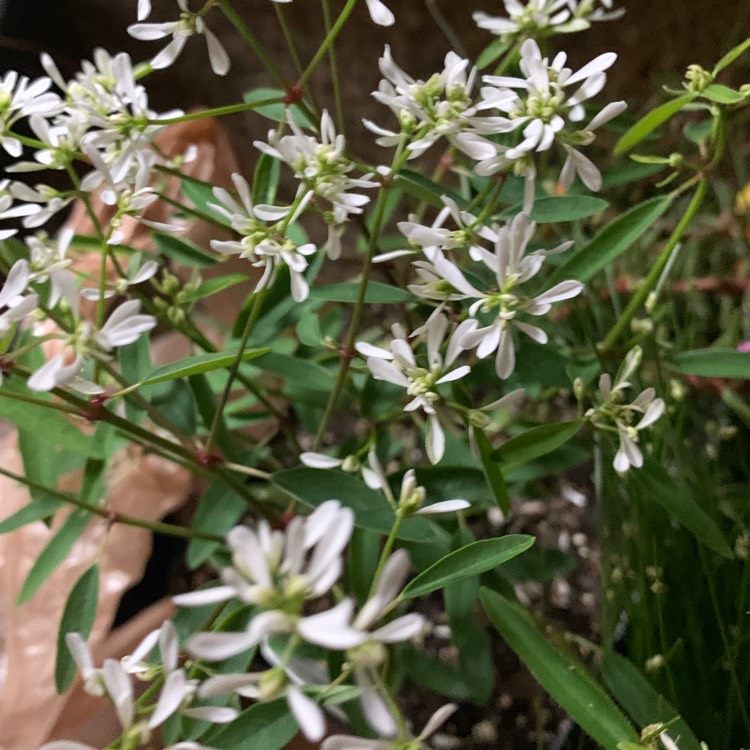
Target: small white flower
(189,24)
(347,742)
(398,365)
(612,411)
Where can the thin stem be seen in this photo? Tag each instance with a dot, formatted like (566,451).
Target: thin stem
(656,269)
(249,326)
(332,58)
(386,552)
(236,20)
(288,38)
(327,42)
(229,109)
(111,516)
(446,28)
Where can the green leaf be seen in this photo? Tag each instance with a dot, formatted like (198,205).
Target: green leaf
(182,251)
(269,726)
(491,53)
(426,190)
(38,509)
(536,442)
(276,111)
(376,293)
(135,363)
(651,121)
(198,364)
(471,560)
(315,486)
(309,374)
(214,286)
(435,675)
(40,465)
(449,482)
(308,330)
(722,94)
(644,704)
(713,363)
(218,511)
(566,681)
(626,173)
(49,426)
(78,617)
(266,179)
(730,57)
(611,242)
(492,473)
(565,208)
(54,553)
(201,196)
(652,482)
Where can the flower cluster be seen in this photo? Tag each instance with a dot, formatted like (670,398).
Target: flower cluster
(539,18)
(613,414)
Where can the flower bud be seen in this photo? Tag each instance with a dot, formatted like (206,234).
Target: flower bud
(579,388)
(698,78)
(478,419)
(271,684)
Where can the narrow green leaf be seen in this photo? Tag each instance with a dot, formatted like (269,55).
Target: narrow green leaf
(536,442)
(78,617)
(491,469)
(308,330)
(269,726)
(49,426)
(730,57)
(564,208)
(309,374)
(652,482)
(424,189)
(721,94)
(37,510)
(276,111)
(566,681)
(376,293)
(471,560)
(644,704)
(54,553)
(491,53)
(651,121)
(182,251)
(199,363)
(214,286)
(713,363)
(218,511)
(266,179)
(315,486)
(611,242)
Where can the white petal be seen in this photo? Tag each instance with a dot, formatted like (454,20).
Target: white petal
(376,711)
(331,629)
(445,506)
(307,713)
(653,412)
(435,440)
(214,714)
(220,646)
(401,629)
(217,55)
(202,598)
(319,460)
(120,690)
(380,13)
(437,720)
(172,695)
(382,370)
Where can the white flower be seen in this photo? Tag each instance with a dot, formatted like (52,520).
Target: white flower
(545,108)
(266,686)
(430,110)
(322,168)
(188,25)
(350,464)
(347,742)
(278,571)
(512,266)
(264,244)
(19,98)
(15,305)
(539,18)
(398,365)
(365,644)
(612,410)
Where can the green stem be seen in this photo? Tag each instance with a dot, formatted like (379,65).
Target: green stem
(348,350)
(249,326)
(288,37)
(229,109)
(386,553)
(340,120)
(113,517)
(236,20)
(656,269)
(327,42)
